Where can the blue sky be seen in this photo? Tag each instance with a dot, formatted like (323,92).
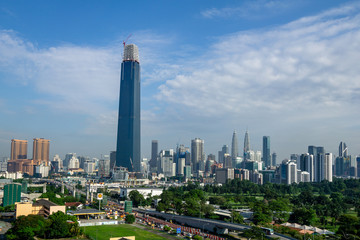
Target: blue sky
(285,69)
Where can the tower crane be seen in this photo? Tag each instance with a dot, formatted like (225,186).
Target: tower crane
(124,42)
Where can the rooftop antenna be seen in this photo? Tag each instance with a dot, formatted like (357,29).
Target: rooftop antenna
(124,42)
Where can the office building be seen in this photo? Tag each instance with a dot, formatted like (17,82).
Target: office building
(187,171)
(307,164)
(224,150)
(59,161)
(343,150)
(12,194)
(266,151)
(197,155)
(291,173)
(112,159)
(167,164)
(128,135)
(89,167)
(41,170)
(18,149)
(273,159)
(74,163)
(223,174)
(3,164)
(68,156)
(180,165)
(319,156)
(227,161)
(104,168)
(154,155)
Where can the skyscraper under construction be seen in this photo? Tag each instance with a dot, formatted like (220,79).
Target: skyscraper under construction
(128,135)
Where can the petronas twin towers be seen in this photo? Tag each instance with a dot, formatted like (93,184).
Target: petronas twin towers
(235,146)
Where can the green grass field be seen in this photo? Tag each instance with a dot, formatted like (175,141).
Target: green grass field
(106,232)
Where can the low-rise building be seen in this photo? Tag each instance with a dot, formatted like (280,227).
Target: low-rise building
(41,206)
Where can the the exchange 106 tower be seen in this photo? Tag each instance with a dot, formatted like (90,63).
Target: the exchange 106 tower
(128,136)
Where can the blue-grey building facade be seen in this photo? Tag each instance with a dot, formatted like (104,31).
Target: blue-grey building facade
(266,151)
(128,135)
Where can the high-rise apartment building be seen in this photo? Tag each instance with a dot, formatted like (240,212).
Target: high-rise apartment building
(41,149)
(128,135)
(197,155)
(266,151)
(234,147)
(18,149)
(19,161)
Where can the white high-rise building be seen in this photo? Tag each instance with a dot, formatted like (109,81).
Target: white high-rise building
(166,160)
(327,167)
(257,156)
(291,173)
(305,176)
(89,166)
(180,166)
(197,155)
(74,163)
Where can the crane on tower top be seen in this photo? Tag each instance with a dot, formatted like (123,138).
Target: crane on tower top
(124,42)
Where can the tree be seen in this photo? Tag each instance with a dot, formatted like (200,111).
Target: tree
(62,225)
(280,209)
(254,233)
(348,225)
(218,200)
(130,219)
(303,216)
(137,198)
(27,227)
(237,217)
(192,207)
(262,213)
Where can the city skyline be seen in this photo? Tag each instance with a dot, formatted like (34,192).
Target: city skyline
(206,71)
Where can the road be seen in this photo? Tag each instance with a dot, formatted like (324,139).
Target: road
(206,224)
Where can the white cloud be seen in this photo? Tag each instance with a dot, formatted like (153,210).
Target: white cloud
(299,76)
(296,65)
(80,80)
(251,9)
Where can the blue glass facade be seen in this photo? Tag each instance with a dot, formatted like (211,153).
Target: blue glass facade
(266,151)
(128,136)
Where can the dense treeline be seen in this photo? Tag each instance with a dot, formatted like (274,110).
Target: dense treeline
(58,225)
(325,204)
